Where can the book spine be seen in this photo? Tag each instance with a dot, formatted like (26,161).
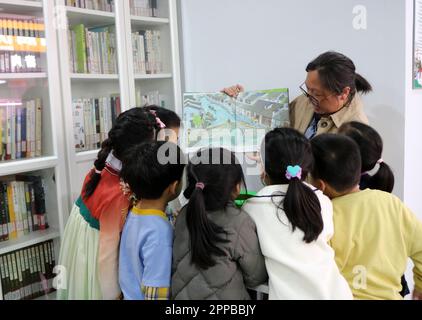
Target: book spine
(38,128)
(78,125)
(24,132)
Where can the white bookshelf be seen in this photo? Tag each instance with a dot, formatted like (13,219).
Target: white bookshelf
(20,6)
(50,165)
(29,75)
(126,82)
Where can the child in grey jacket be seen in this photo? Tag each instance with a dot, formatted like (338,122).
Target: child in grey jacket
(216,253)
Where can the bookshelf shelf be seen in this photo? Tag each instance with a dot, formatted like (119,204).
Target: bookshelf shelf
(147,21)
(153,76)
(29,75)
(20,6)
(94,77)
(85,156)
(27,165)
(89,17)
(49,296)
(28,240)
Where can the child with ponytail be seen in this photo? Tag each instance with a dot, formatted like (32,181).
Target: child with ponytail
(89,247)
(376,173)
(216,251)
(294,223)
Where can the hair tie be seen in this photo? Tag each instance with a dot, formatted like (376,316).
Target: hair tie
(98,171)
(294,172)
(200,185)
(380,161)
(160,123)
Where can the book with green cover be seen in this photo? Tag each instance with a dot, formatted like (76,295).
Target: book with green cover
(80,50)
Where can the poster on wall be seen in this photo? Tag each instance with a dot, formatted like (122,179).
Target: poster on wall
(417,46)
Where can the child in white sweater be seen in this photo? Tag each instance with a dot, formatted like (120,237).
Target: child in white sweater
(294,223)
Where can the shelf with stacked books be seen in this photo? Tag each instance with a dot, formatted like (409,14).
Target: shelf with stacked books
(32,174)
(93,80)
(153,62)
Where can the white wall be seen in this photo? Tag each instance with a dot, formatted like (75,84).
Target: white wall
(268,43)
(413,145)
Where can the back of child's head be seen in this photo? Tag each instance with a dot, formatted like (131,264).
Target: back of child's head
(213,175)
(337,161)
(288,159)
(150,168)
(132,127)
(370,145)
(169,118)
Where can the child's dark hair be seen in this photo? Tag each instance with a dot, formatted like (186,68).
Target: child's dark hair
(132,127)
(337,161)
(212,176)
(168,117)
(147,170)
(337,72)
(370,146)
(287,147)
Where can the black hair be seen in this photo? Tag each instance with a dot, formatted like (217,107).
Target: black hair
(336,72)
(337,161)
(370,146)
(219,171)
(168,117)
(146,170)
(287,147)
(131,127)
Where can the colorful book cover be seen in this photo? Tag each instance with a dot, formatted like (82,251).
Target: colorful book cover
(238,124)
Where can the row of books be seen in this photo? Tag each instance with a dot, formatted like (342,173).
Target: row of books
(93,50)
(21,43)
(20,62)
(144,8)
(28,273)
(20,129)
(22,206)
(21,26)
(147,52)
(103,5)
(149,98)
(92,120)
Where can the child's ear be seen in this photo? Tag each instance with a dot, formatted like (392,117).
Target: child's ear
(175,189)
(319,184)
(236,191)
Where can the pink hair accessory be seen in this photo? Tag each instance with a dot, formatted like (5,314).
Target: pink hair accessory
(160,123)
(380,161)
(98,171)
(200,185)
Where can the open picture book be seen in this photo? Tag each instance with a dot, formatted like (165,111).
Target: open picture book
(238,124)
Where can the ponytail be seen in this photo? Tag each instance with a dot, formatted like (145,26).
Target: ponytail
(362,85)
(383,180)
(302,208)
(99,165)
(204,234)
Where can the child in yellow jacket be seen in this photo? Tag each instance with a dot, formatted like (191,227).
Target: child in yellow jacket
(374,232)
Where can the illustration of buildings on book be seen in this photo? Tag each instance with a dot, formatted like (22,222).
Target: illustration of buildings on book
(217,120)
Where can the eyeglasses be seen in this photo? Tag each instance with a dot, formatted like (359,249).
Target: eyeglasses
(311,98)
